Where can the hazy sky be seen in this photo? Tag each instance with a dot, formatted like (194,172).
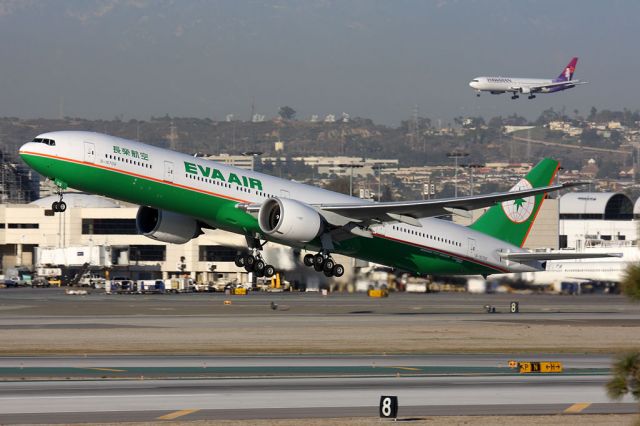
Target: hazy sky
(374,59)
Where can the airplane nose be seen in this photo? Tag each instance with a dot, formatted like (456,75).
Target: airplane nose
(472,84)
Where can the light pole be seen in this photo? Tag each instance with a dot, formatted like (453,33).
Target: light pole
(456,155)
(471,167)
(380,168)
(351,166)
(254,154)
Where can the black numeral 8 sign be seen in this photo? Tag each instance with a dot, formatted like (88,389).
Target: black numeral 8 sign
(388,407)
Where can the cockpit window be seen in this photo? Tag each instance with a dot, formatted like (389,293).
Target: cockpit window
(476,81)
(49,142)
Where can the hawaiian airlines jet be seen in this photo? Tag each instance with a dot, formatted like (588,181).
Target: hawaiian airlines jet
(530,86)
(181,195)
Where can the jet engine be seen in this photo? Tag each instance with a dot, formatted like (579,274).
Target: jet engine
(166,226)
(290,220)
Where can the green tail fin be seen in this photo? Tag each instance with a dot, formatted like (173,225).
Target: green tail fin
(511,221)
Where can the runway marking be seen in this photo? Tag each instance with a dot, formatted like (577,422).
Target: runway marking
(176,414)
(577,408)
(103,369)
(407,368)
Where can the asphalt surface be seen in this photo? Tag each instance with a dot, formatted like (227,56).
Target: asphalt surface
(265,387)
(115,387)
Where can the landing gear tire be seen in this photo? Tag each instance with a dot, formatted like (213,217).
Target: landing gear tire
(258,272)
(308,260)
(532,96)
(239,260)
(55,206)
(515,97)
(328,273)
(269,271)
(328,265)
(338,270)
(249,263)
(62,206)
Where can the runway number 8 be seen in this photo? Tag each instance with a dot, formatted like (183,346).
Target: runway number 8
(388,407)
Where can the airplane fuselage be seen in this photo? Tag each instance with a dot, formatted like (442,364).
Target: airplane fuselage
(211,192)
(497,85)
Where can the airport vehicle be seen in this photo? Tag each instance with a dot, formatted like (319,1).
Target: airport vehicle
(181,195)
(527,86)
(92,280)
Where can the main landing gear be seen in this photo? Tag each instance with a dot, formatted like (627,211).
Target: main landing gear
(531,96)
(515,96)
(253,262)
(59,206)
(323,262)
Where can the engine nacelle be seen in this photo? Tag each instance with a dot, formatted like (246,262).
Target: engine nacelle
(166,226)
(525,90)
(290,220)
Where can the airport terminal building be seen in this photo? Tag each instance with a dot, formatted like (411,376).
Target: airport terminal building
(91,221)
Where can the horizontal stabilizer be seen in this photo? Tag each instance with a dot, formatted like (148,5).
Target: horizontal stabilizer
(524,257)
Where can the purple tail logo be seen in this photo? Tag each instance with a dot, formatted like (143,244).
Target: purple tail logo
(567,73)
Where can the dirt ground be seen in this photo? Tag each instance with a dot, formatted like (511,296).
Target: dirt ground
(311,336)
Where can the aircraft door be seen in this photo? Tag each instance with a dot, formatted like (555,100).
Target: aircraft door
(89,152)
(168,171)
(471,248)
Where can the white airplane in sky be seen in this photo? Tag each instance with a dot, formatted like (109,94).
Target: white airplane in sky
(180,195)
(528,86)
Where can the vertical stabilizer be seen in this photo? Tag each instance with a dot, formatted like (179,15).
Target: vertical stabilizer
(511,221)
(567,72)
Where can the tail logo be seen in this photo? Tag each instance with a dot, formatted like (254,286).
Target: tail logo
(520,209)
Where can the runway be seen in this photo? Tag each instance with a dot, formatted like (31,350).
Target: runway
(254,387)
(100,358)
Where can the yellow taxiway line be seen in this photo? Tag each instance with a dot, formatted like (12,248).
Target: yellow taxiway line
(104,369)
(176,414)
(577,408)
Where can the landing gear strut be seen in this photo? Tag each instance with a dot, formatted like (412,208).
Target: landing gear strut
(323,262)
(59,206)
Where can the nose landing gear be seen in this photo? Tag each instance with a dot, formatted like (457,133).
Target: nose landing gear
(59,206)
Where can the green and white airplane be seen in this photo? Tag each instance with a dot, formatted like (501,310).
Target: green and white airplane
(180,195)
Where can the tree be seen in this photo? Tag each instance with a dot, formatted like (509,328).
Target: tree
(287,113)
(631,282)
(626,376)
(626,369)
